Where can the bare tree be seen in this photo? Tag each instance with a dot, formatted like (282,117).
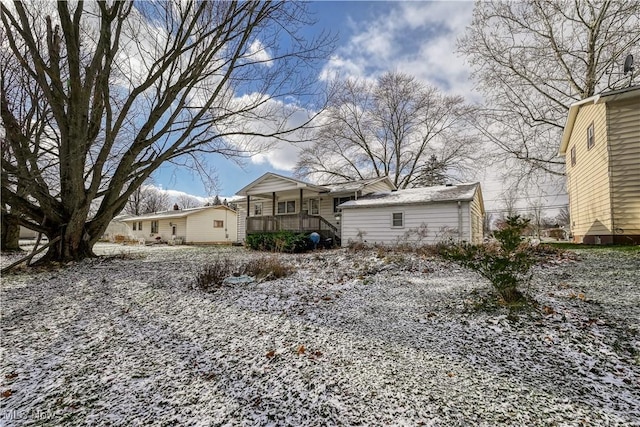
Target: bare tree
(96,96)
(155,200)
(536,214)
(533,59)
(563,218)
(10,241)
(147,199)
(185,201)
(395,127)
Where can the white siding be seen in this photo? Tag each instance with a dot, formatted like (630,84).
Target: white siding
(267,207)
(200,227)
(380,186)
(165,228)
(272,184)
(373,224)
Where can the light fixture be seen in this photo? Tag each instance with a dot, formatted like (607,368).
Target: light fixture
(338,216)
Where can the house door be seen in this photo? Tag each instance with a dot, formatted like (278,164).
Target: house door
(174,231)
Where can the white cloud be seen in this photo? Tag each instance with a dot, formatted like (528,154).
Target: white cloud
(417,38)
(258,53)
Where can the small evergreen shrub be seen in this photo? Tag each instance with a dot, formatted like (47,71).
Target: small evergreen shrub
(281,241)
(506,264)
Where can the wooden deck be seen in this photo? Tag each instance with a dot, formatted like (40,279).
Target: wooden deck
(295,223)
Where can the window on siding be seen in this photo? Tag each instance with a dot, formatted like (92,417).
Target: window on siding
(218,223)
(257,209)
(397,219)
(140,225)
(573,155)
(591,138)
(314,206)
(287,207)
(337,201)
(154,227)
(135,226)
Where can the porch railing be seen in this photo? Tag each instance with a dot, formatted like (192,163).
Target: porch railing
(297,223)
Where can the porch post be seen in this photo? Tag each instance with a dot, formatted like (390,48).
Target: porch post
(273,204)
(300,211)
(274,218)
(246,220)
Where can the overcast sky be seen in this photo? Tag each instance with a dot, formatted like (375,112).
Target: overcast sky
(417,38)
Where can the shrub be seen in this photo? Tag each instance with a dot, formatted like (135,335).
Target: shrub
(506,264)
(212,275)
(266,268)
(281,241)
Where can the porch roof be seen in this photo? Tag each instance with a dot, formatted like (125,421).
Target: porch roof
(271,182)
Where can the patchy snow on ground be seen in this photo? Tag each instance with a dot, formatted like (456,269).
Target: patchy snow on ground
(350,338)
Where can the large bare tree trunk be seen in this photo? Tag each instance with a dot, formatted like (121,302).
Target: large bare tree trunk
(10,233)
(85,127)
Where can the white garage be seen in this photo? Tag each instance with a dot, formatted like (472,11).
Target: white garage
(416,216)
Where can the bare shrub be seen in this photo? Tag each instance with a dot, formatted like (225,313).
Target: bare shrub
(266,268)
(212,275)
(357,246)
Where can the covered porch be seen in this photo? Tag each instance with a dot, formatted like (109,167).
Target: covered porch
(275,203)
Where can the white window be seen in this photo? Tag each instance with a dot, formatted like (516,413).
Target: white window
(397,220)
(287,207)
(134,225)
(314,207)
(154,227)
(257,209)
(218,223)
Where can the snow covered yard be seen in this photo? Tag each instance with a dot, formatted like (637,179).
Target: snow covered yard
(349,339)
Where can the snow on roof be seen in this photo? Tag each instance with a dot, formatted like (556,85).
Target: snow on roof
(440,193)
(350,186)
(180,213)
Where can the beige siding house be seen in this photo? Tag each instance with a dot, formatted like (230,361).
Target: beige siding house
(208,224)
(601,145)
(274,202)
(419,215)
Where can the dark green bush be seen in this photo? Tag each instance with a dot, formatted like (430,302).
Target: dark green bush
(281,241)
(506,264)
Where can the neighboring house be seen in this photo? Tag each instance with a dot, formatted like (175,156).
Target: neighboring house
(601,144)
(208,224)
(117,227)
(27,233)
(418,215)
(274,202)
